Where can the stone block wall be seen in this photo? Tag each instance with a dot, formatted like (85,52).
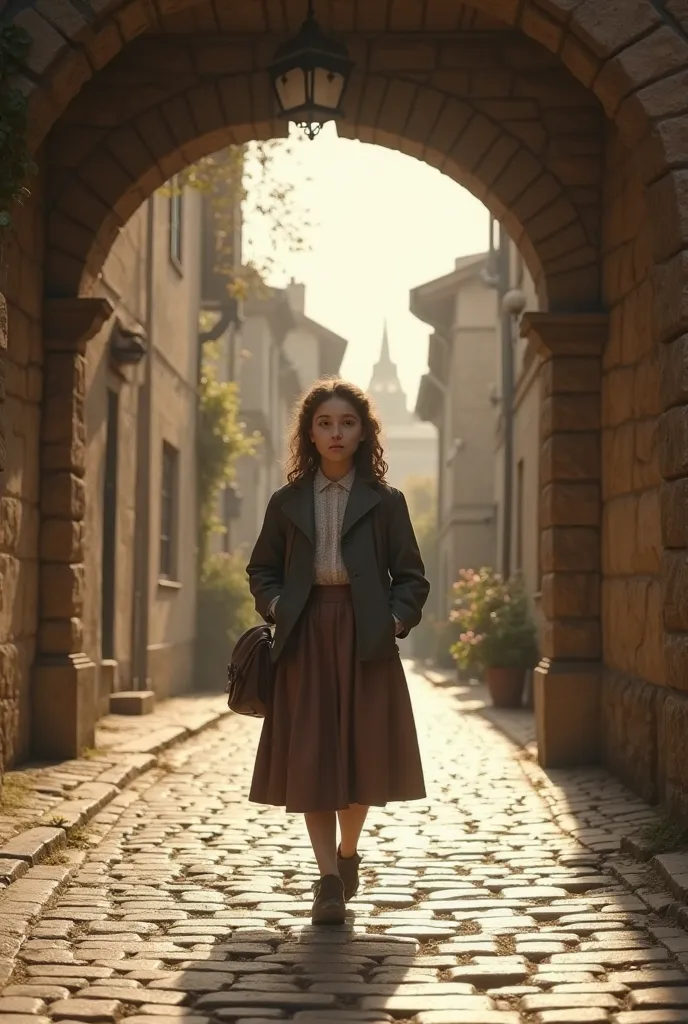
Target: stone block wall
(633,687)
(21,381)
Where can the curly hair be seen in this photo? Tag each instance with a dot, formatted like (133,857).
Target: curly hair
(303,456)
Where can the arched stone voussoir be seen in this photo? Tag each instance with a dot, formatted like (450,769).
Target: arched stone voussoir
(607,47)
(108,188)
(482,141)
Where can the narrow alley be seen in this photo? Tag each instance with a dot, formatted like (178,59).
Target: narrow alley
(501,898)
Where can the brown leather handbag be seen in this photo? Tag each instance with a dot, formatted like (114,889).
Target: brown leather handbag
(250,673)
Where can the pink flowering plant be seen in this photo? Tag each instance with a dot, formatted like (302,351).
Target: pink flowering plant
(491,615)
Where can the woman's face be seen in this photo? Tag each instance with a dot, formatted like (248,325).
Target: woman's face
(336,431)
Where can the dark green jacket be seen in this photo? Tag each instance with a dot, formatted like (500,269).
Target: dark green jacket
(379,550)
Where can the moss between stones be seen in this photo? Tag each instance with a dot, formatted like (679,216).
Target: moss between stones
(666,835)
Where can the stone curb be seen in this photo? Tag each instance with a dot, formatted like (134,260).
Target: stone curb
(26,850)
(25,901)
(672,868)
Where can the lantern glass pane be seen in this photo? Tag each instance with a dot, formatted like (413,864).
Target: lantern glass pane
(328,87)
(291,89)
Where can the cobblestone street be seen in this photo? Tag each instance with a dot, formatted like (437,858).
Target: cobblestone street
(502,898)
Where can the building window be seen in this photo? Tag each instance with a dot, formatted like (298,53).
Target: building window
(169,492)
(519,515)
(176,208)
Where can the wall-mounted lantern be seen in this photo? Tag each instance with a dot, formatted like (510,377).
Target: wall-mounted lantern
(309,75)
(127,346)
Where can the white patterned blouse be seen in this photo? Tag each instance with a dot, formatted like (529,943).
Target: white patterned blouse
(330,500)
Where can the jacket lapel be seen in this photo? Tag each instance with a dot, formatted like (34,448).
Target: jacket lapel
(299,506)
(361,499)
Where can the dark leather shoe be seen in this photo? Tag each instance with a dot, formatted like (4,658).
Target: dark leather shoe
(328,905)
(348,872)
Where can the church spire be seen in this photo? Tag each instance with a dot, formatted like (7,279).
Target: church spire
(386,388)
(385,359)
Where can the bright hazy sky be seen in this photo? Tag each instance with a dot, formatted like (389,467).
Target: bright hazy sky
(383,223)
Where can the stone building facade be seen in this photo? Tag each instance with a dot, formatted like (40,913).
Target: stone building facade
(456,395)
(464,393)
(566,117)
(140,472)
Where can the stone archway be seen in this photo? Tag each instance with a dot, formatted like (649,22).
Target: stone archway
(497,114)
(601,221)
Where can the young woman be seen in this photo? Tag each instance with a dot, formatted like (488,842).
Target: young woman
(338,570)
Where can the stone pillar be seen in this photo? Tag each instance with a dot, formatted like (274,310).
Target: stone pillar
(567,681)
(64,683)
(3,351)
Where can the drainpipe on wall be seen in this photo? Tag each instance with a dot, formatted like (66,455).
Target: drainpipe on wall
(507,398)
(142,538)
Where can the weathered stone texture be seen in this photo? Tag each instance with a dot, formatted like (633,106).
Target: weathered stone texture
(676,660)
(675,576)
(674,377)
(633,633)
(570,456)
(674,512)
(571,639)
(570,549)
(19,479)
(572,504)
(570,375)
(617,460)
(673,433)
(630,723)
(570,413)
(632,544)
(570,595)
(672,753)
(631,517)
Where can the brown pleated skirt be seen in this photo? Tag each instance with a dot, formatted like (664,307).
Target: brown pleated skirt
(338,731)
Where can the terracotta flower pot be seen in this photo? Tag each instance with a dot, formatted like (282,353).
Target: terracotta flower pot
(505,686)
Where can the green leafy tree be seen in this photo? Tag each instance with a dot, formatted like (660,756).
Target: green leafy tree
(221,441)
(224,607)
(258,211)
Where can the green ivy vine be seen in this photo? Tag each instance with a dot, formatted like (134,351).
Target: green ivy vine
(15,160)
(221,441)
